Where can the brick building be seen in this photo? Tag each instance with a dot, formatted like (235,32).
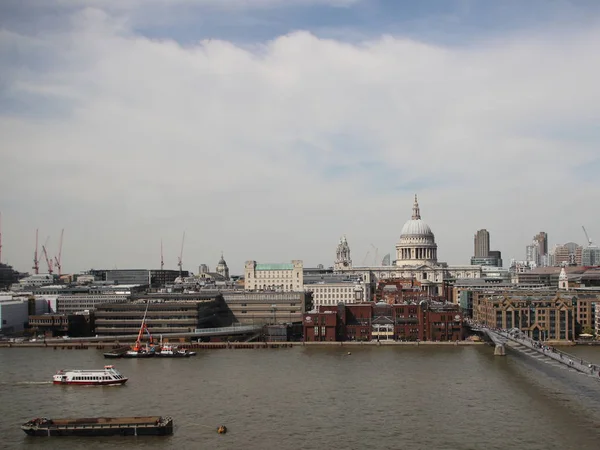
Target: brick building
(423,321)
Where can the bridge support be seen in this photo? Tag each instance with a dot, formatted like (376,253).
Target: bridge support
(500,350)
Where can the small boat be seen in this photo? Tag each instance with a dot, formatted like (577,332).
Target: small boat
(116,353)
(171,351)
(100,426)
(140,352)
(104,377)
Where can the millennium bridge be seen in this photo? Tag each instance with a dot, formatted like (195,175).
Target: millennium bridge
(516,340)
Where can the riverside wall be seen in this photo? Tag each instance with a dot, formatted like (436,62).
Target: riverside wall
(230,345)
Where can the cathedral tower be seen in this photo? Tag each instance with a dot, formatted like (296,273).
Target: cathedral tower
(342,255)
(222,268)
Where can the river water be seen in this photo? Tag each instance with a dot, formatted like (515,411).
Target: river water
(397,397)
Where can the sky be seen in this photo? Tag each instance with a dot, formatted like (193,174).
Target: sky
(267,129)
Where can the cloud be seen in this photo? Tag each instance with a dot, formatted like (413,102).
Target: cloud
(271,151)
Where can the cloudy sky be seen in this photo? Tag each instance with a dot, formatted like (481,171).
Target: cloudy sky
(269,128)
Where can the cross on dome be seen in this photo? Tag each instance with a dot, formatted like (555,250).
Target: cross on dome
(416,212)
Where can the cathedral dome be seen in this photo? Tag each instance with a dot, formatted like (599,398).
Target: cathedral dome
(417,242)
(416,228)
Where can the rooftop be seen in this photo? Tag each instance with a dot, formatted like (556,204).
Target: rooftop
(284,266)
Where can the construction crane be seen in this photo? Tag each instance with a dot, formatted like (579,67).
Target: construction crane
(57,259)
(590,243)
(48,260)
(375,262)
(162,261)
(180,260)
(366,257)
(386,260)
(36,261)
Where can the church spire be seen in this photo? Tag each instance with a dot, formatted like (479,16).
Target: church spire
(416,212)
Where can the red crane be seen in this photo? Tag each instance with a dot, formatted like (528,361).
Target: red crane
(57,259)
(48,260)
(36,261)
(180,259)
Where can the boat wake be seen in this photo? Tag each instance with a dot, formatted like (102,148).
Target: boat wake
(27,383)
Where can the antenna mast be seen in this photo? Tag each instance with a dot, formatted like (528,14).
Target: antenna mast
(0,237)
(180,262)
(162,262)
(57,260)
(36,261)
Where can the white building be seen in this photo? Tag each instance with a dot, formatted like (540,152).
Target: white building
(73,303)
(416,258)
(14,313)
(274,277)
(590,256)
(532,254)
(333,292)
(35,280)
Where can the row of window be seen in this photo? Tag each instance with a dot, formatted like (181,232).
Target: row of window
(334,296)
(96,378)
(278,275)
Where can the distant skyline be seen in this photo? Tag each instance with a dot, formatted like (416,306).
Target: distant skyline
(270,128)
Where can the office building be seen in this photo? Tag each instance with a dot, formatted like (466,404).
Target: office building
(481,244)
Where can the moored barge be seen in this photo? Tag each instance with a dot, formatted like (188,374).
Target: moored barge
(100,426)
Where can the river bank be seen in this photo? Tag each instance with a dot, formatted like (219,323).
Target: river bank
(224,345)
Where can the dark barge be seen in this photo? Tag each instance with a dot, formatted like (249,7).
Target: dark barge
(100,426)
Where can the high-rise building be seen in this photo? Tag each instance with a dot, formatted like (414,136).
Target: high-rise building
(568,254)
(590,256)
(481,244)
(532,253)
(542,239)
(482,255)
(496,255)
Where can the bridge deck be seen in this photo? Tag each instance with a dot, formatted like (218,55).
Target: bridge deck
(517,340)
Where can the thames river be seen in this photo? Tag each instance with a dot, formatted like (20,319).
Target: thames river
(397,397)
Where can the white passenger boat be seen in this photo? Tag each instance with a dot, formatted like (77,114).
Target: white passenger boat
(104,377)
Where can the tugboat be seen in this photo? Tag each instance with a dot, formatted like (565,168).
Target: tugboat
(170,351)
(108,376)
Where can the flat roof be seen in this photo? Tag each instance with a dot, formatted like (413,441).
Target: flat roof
(284,266)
